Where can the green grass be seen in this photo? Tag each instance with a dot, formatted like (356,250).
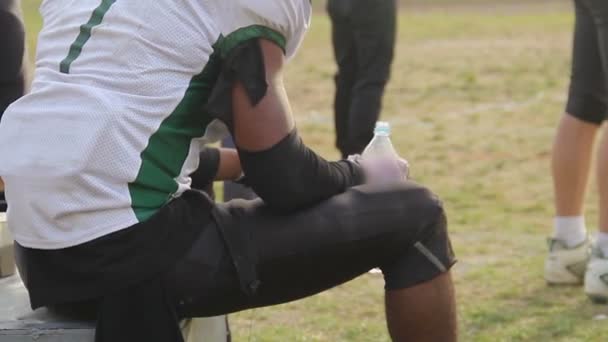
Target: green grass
(474,100)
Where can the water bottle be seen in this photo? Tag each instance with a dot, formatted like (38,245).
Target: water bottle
(381,151)
(381,146)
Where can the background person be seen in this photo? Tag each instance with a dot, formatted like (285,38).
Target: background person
(586,110)
(363,37)
(12,61)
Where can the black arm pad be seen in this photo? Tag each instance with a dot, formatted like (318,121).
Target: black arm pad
(246,65)
(290,176)
(207,169)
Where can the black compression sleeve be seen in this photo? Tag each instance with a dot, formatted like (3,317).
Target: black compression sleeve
(207,169)
(289,175)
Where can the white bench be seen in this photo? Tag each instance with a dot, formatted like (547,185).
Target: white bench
(7,261)
(18,323)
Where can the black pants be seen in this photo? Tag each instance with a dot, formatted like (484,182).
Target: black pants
(12,45)
(246,256)
(251,257)
(588,97)
(363,35)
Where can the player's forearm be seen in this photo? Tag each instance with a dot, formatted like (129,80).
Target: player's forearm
(229,167)
(285,173)
(290,176)
(216,164)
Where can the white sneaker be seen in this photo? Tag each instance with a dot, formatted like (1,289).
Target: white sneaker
(566,266)
(596,277)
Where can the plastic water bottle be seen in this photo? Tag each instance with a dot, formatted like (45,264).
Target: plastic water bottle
(381,146)
(381,151)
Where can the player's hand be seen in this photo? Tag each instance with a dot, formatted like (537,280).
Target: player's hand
(382,170)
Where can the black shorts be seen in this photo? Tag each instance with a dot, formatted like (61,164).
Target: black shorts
(250,257)
(12,45)
(588,97)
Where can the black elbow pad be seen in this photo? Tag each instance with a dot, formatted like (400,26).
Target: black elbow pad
(290,176)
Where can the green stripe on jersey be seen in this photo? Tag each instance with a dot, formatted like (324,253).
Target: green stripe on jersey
(167,149)
(228,43)
(85,34)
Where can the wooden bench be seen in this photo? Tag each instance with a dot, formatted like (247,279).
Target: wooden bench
(18,323)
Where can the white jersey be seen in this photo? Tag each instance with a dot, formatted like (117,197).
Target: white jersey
(114,122)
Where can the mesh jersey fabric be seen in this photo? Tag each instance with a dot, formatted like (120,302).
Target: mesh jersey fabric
(114,123)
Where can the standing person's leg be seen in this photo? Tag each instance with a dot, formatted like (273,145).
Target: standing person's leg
(596,278)
(12,61)
(569,247)
(602,182)
(570,164)
(346,60)
(375,24)
(402,230)
(600,12)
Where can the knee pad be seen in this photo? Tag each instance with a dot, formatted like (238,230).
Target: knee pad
(429,255)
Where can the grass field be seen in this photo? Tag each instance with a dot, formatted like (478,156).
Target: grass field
(476,93)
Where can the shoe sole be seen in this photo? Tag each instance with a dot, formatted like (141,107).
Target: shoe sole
(572,274)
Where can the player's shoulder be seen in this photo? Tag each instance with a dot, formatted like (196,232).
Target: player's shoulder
(272,8)
(281,13)
(290,18)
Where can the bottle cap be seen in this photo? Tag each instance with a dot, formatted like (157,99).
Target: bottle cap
(382,128)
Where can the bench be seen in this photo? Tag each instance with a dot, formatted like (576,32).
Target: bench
(18,323)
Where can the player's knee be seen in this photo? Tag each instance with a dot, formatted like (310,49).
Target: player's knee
(427,252)
(420,203)
(433,227)
(430,212)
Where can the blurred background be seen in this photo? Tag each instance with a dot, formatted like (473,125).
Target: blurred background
(476,92)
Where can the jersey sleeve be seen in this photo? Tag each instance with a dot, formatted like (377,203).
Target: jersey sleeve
(282,21)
